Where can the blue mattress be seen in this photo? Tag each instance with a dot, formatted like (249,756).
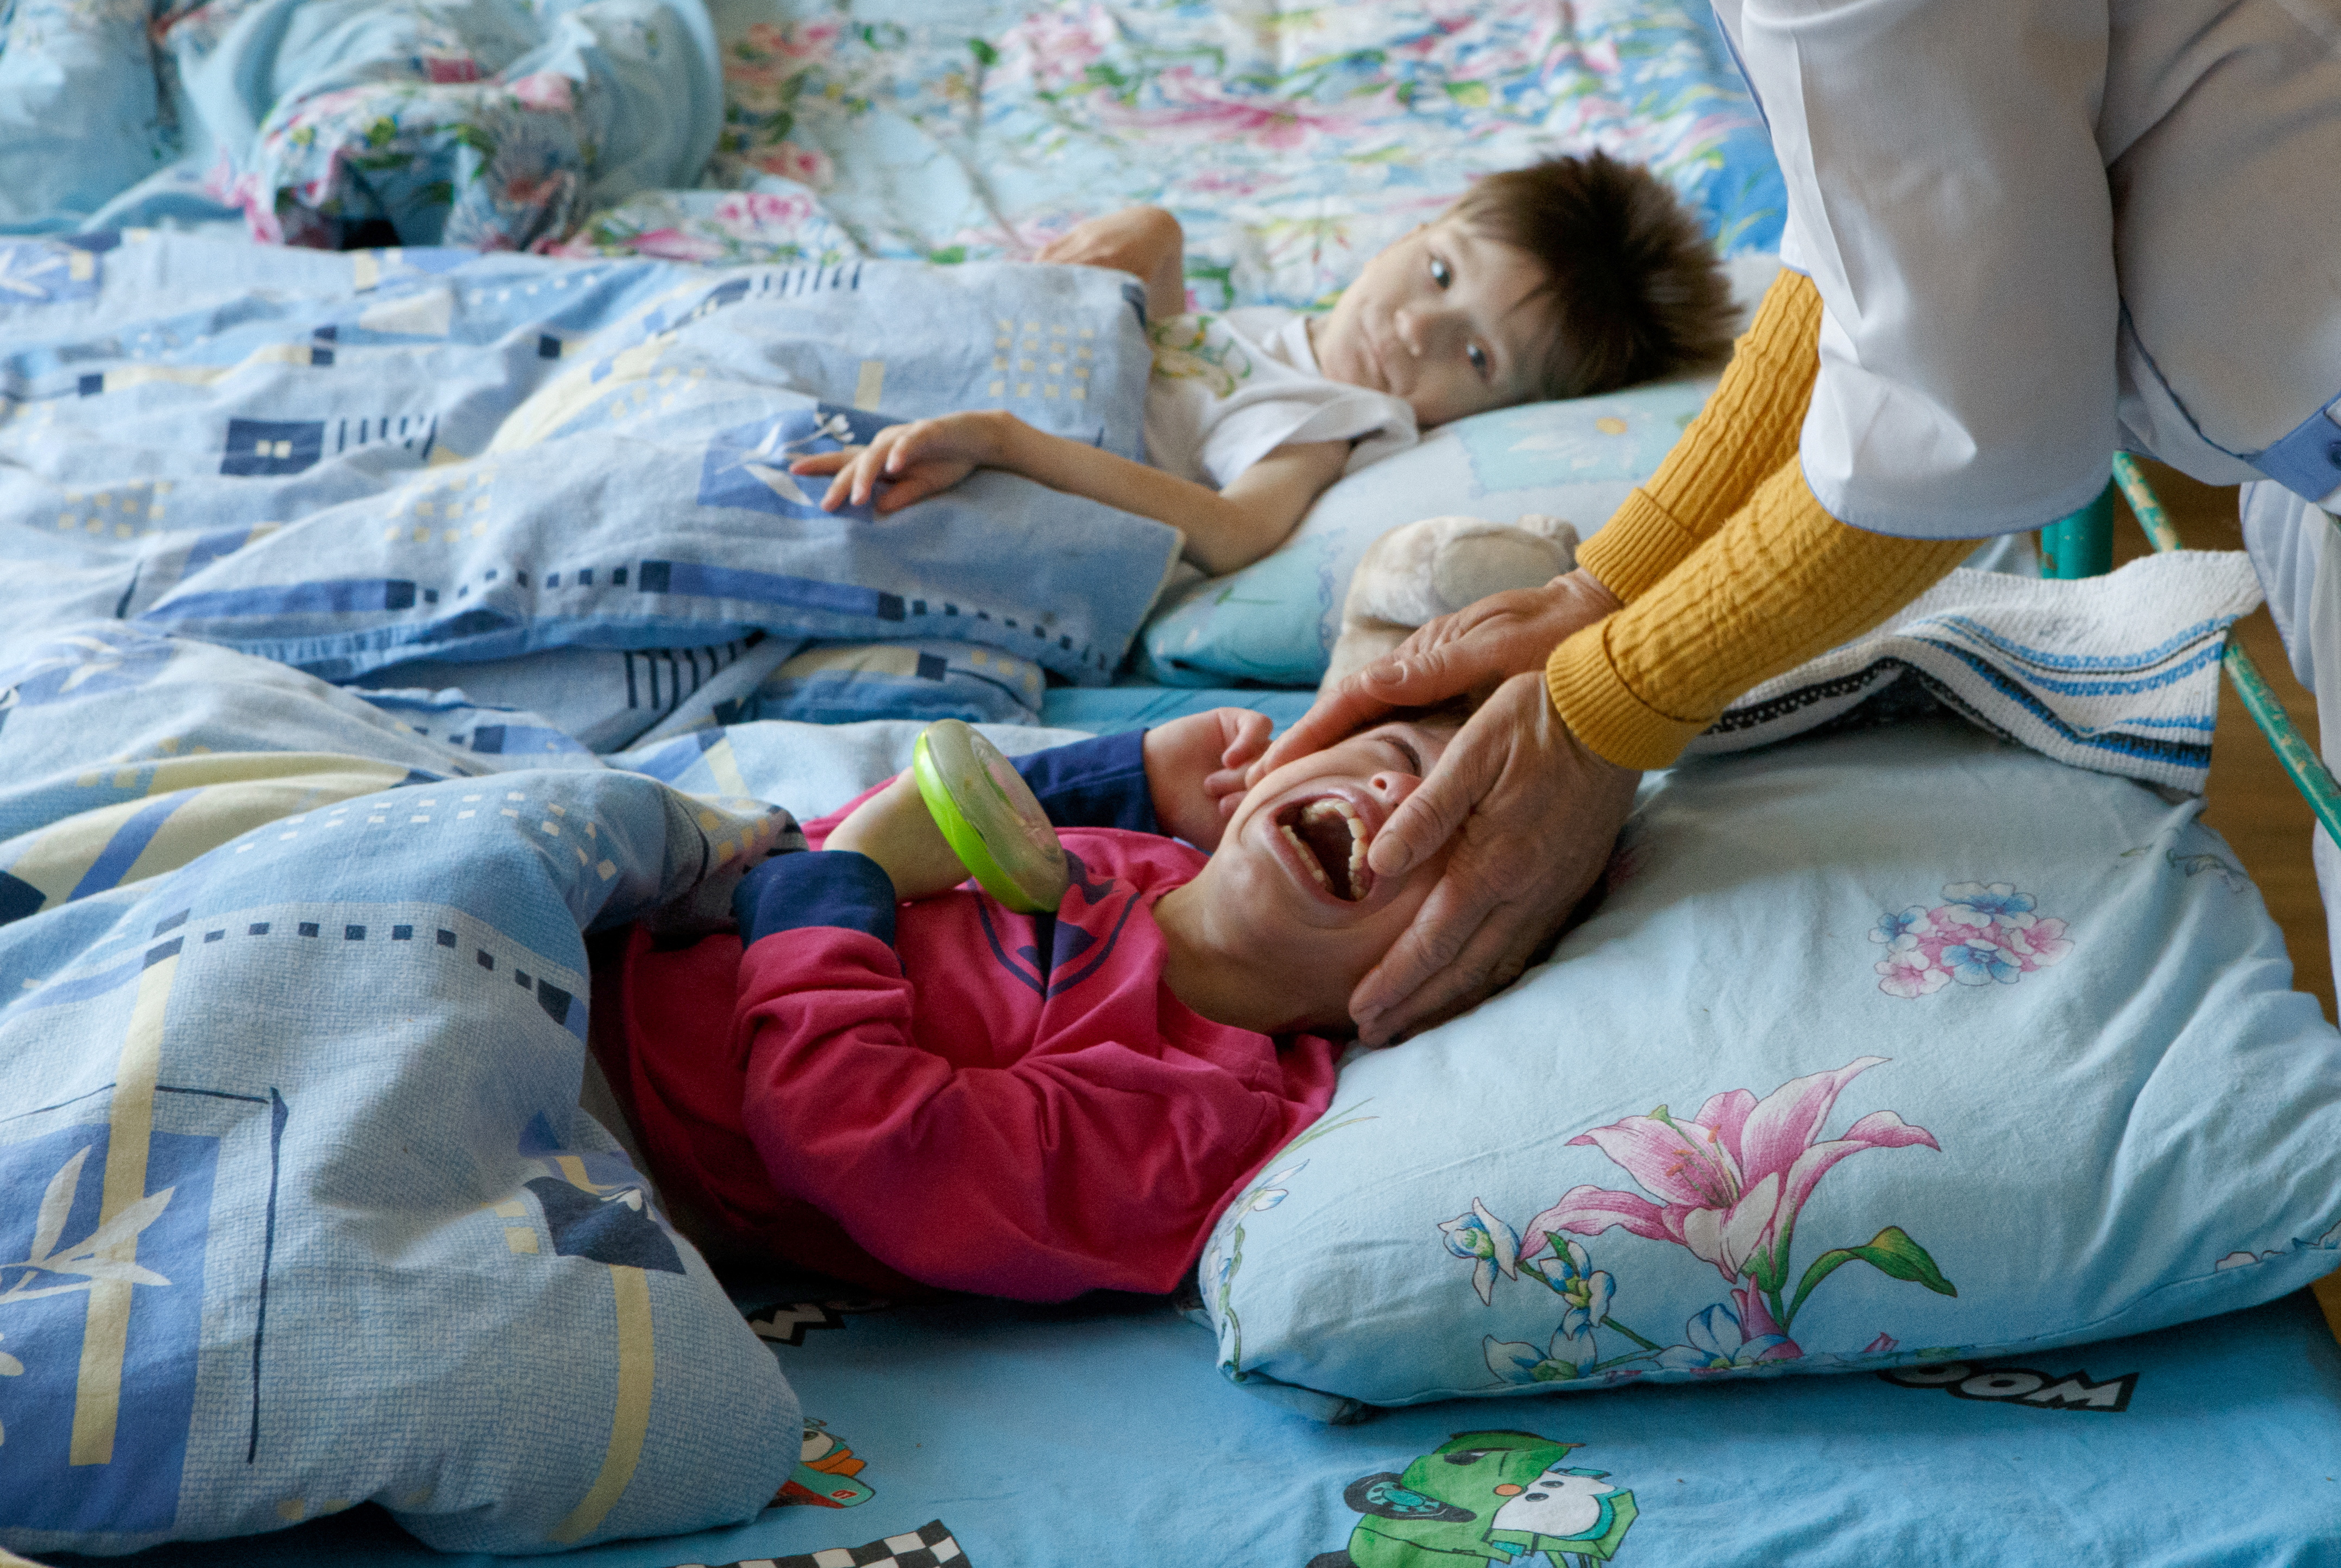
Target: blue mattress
(1099,1434)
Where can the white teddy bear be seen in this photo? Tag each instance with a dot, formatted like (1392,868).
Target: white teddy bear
(1425,569)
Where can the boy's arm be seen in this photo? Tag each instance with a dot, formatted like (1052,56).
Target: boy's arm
(1146,241)
(1225,529)
(1183,778)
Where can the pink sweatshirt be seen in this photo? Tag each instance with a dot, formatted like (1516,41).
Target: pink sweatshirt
(964,1096)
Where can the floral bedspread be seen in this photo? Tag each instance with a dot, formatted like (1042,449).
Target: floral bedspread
(1291,142)
(494,125)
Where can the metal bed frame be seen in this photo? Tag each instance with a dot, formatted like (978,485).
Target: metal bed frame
(2081,545)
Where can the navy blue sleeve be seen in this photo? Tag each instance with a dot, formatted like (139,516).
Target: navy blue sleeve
(811,887)
(1095,783)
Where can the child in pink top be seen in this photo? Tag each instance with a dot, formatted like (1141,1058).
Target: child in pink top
(889,1075)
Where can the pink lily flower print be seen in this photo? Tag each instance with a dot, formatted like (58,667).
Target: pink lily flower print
(1729,1183)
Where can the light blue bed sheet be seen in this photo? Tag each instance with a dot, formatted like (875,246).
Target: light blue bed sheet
(1094,1436)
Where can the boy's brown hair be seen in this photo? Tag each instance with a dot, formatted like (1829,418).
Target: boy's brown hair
(1636,289)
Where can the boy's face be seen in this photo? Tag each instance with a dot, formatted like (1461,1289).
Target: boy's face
(1443,319)
(1289,879)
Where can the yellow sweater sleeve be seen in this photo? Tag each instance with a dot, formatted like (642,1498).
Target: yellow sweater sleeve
(1749,428)
(1781,581)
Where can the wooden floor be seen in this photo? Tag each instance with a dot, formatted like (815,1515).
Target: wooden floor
(2252,804)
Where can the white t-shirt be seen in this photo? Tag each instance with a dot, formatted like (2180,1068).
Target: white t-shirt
(1229,388)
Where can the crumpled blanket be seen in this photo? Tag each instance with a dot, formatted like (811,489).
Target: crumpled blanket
(359,464)
(302,1209)
(491,124)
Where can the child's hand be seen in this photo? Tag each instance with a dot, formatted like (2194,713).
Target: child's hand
(894,828)
(914,460)
(1195,770)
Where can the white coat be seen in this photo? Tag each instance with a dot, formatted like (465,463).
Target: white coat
(2043,230)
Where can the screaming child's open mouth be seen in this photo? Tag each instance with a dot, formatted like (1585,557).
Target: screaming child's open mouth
(1331,837)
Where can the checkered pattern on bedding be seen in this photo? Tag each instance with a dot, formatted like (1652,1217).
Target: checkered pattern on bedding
(929,1546)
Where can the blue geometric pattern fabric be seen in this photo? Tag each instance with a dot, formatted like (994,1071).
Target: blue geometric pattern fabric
(348,462)
(300,1208)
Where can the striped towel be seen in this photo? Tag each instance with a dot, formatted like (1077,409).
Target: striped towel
(2117,673)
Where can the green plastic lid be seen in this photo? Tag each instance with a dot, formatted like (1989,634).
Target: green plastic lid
(990,816)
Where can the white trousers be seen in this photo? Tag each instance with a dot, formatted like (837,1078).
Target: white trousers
(2297,548)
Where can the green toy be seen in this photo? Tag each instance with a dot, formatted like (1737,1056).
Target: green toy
(1485,1497)
(990,818)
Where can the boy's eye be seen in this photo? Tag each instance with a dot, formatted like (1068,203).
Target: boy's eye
(1478,358)
(1441,272)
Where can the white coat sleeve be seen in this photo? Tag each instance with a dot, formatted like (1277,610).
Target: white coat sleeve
(1947,196)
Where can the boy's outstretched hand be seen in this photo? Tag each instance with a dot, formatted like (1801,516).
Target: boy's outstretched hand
(912,460)
(895,828)
(1195,770)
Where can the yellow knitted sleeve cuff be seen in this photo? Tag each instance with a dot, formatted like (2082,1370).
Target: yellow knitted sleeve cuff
(1639,544)
(1781,582)
(1603,712)
(1749,428)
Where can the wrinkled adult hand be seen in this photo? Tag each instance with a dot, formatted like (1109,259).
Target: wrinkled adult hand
(1533,814)
(1536,811)
(1471,651)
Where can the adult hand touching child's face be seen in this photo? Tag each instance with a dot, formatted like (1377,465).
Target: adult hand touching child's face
(1533,811)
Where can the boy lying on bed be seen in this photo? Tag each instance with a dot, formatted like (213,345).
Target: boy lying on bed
(887,1074)
(1570,277)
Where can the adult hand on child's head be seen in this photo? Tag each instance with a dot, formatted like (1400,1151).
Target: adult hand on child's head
(1470,652)
(1195,770)
(1534,815)
(914,460)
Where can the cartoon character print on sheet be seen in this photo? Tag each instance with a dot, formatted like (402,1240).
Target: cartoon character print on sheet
(931,1545)
(828,1473)
(255,1102)
(1494,1497)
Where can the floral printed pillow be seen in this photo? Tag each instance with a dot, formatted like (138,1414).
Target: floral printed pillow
(1722,1134)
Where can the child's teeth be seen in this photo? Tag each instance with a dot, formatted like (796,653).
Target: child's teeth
(1307,858)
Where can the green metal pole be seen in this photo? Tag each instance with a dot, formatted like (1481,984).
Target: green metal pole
(2080,545)
(2307,770)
